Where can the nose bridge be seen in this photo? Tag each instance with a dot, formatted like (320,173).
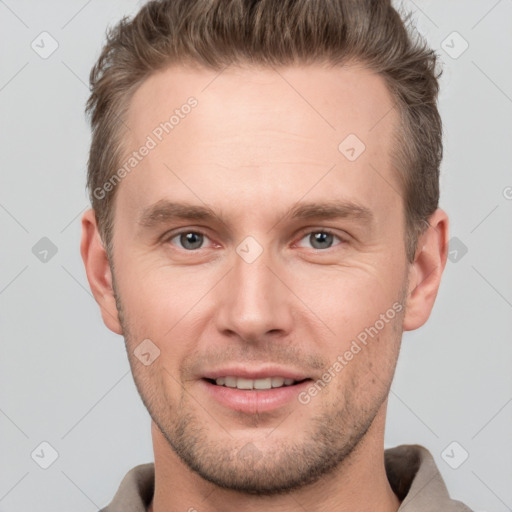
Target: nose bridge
(255,300)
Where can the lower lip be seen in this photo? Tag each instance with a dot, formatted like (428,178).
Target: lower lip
(254,401)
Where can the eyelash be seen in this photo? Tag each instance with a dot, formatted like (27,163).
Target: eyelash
(327,231)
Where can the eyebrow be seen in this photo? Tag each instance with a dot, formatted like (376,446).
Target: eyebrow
(165,211)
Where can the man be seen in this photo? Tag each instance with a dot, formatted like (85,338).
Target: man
(264,226)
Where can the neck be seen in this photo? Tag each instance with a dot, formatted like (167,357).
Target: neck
(359,483)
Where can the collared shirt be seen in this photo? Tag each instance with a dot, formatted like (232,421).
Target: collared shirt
(411,471)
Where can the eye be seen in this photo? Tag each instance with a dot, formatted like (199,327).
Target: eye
(321,239)
(189,240)
(194,240)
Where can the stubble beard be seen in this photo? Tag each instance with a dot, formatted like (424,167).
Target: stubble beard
(279,467)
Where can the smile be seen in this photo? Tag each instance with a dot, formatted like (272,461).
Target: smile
(243,383)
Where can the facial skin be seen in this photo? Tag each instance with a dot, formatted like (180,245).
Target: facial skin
(260,142)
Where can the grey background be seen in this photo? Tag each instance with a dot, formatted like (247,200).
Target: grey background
(65,379)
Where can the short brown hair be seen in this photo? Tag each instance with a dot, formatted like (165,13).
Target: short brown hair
(219,33)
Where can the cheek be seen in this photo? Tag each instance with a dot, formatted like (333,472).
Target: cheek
(158,299)
(351,298)
(364,328)
(360,372)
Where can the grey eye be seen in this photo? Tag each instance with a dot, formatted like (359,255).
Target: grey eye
(190,240)
(319,240)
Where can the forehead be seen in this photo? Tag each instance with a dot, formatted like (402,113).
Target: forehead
(259,130)
(333,100)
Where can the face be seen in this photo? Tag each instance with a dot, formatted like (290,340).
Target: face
(255,251)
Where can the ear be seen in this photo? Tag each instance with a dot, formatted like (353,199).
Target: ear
(98,271)
(426,271)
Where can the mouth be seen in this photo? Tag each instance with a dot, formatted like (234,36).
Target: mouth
(254,384)
(254,394)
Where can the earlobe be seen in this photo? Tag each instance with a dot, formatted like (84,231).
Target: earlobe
(98,271)
(426,271)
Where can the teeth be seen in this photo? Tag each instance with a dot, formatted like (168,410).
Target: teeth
(277,382)
(244,383)
(230,382)
(241,383)
(263,383)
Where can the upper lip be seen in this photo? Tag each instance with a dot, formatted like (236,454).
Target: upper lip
(254,373)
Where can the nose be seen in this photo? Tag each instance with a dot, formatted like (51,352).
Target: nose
(256,302)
